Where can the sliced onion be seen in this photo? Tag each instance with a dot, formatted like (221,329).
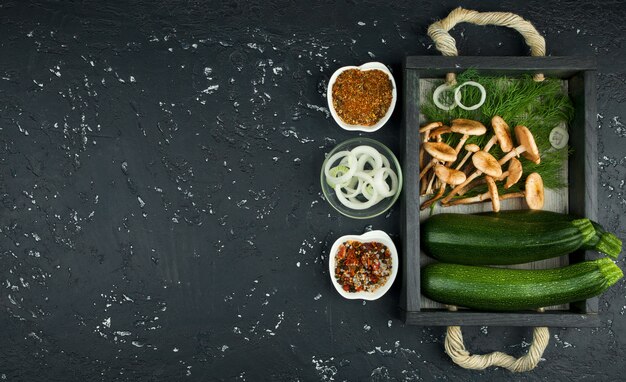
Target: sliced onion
(368,192)
(352,162)
(380,182)
(372,152)
(351,192)
(457,95)
(386,162)
(440,89)
(356,204)
(366,159)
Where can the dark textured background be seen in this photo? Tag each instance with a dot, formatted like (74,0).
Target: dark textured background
(161,217)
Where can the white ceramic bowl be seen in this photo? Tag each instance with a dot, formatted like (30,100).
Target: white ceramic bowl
(368,237)
(383,120)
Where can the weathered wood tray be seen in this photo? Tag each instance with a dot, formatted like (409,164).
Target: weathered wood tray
(578,75)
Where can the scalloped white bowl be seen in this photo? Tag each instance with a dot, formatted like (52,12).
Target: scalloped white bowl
(368,237)
(383,120)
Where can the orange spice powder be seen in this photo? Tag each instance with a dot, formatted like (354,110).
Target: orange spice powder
(362,97)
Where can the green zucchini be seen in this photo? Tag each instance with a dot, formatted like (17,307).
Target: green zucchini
(484,240)
(502,289)
(603,241)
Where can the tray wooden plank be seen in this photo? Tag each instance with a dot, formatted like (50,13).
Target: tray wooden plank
(436,317)
(409,201)
(579,72)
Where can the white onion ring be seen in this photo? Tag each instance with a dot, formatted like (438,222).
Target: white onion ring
(457,95)
(352,192)
(352,162)
(381,185)
(370,151)
(354,203)
(440,89)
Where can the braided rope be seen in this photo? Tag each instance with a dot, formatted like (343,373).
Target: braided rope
(456,350)
(446,44)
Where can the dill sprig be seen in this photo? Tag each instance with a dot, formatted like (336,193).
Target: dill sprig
(540,106)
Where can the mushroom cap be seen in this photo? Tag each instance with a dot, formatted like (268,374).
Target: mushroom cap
(471,147)
(534,191)
(515,172)
(525,138)
(503,133)
(438,132)
(440,151)
(468,127)
(493,193)
(430,126)
(449,176)
(486,163)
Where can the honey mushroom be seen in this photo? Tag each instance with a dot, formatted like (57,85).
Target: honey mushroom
(437,135)
(533,192)
(438,132)
(492,193)
(484,163)
(426,131)
(527,146)
(446,176)
(501,134)
(468,128)
(513,173)
(439,151)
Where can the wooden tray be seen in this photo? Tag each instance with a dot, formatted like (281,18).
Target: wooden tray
(578,73)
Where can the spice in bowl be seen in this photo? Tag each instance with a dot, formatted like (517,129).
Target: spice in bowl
(362,266)
(362,97)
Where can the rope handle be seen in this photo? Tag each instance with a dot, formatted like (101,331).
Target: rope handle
(446,44)
(456,350)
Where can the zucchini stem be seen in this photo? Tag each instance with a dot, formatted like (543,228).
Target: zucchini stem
(609,244)
(611,272)
(586,229)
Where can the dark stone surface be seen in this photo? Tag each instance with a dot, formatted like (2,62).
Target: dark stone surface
(161,215)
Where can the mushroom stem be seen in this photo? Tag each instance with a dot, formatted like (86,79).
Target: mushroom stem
(427,167)
(492,194)
(471,186)
(429,189)
(484,162)
(458,188)
(512,195)
(516,152)
(432,200)
(490,143)
(423,186)
(459,145)
(471,148)
(512,176)
(533,192)
(445,176)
